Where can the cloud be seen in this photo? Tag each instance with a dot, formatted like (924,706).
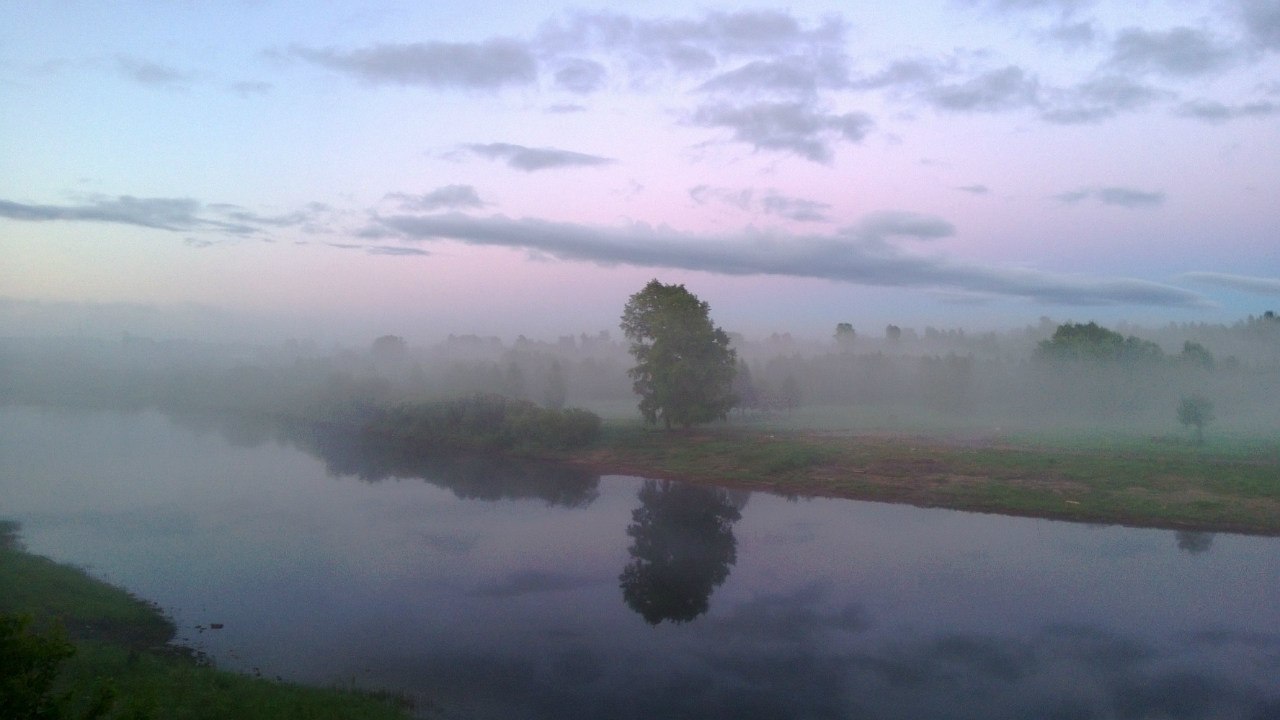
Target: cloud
(901,73)
(1180,52)
(895,223)
(977,189)
(797,128)
(160,213)
(1124,197)
(249,88)
(150,73)
(689,45)
(1098,99)
(1241,283)
(1215,112)
(860,255)
(791,208)
(1262,23)
(448,197)
(741,199)
(1065,7)
(395,250)
(581,76)
(771,203)
(487,65)
(795,74)
(1073,34)
(176,214)
(1003,89)
(532,159)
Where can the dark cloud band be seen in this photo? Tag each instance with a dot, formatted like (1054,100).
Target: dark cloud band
(861,255)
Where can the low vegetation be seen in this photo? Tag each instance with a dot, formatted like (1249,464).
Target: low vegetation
(483,423)
(74,647)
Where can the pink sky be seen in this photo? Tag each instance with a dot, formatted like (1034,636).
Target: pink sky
(472,168)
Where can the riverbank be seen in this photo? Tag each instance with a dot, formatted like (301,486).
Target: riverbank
(1167,482)
(122,653)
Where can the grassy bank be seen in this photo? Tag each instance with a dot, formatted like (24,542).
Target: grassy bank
(1224,485)
(120,648)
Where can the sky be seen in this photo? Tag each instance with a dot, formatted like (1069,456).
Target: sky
(345,170)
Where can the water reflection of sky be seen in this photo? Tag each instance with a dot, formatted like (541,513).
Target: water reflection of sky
(512,607)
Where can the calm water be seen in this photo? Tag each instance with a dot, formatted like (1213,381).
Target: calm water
(510,592)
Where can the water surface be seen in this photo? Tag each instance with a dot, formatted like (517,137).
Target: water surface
(491,590)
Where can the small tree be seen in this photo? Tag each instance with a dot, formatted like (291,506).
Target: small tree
(1194,353)
(684,365)
(844,336)
(1195,410)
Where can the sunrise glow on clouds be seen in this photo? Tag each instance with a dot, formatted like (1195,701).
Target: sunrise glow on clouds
(464,167)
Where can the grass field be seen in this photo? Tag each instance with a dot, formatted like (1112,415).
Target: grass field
(121,649)
(1229,483)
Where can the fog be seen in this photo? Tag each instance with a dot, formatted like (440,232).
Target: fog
(917,380)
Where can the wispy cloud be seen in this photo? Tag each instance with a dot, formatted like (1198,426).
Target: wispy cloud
(688,44)
(860,255)
(177,214)
(897,223)
(395,250)
(977,189)
(741,198)
(1098,99)
(771,202)
(160,213)
(1180,52)
(793,127)
(578,75)
(1073,34)
(1121,196)
(1212,111)
(532,159)
(793,208)
(1064,7)
(1242,283)
(150,73)
(448,197)
(1262,23)
(797,74)
(485,65)
(249,88)
(1006,88)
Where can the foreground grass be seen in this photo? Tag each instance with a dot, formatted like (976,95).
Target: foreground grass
(1228,484)
(121,643)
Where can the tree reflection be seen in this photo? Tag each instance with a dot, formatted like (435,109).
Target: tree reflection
(469,476)
(682,549)
(1194,542)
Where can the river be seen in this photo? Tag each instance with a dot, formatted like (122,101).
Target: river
(490,590)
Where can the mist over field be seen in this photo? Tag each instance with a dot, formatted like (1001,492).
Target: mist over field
(860,379)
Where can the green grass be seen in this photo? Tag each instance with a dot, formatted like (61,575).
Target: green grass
(1230,483)
(121,642)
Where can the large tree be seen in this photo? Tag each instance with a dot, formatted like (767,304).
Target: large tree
(684,365)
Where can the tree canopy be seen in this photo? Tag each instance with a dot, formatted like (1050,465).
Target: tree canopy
(684,366)
(1196,410)
(1080,341)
